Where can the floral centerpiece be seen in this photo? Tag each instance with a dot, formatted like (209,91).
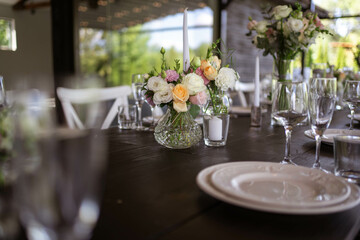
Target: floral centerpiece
(217,80)
(180,92)
(284,33)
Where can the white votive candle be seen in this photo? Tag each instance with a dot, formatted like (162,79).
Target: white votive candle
(215,129)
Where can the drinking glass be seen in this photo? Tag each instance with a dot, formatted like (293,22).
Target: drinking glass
(322,101)
(290,108)
(59,174)
(139,95)
(352,97)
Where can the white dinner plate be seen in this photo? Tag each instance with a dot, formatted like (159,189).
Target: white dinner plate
(281,185)
(356,116)
(330,133)
(204,182)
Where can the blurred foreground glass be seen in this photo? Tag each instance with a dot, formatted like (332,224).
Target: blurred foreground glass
(351,97)
(322,100)
(59,174)
(347,157)
(289,106)
(127,116)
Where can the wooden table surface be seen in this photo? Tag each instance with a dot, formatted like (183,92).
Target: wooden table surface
(151,191)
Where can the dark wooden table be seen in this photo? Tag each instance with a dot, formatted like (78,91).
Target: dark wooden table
(151,191)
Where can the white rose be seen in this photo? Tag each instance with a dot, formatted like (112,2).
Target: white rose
(281,11)
(295,24)
(163,96)
(261,27)
(194,83)
(226,78)
(156,84)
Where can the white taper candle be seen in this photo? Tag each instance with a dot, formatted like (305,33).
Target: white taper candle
(257,83)
(186,54)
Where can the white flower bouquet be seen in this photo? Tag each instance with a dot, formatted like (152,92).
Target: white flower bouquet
(285,32)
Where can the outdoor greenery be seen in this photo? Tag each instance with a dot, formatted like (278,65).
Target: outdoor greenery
(4,32)
(115,56)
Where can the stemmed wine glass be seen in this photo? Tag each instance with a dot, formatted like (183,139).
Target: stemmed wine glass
(290,108)
(59,173)
(139,95)
(322,101)
(352,97)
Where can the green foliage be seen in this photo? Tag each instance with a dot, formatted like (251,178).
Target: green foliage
(115,56)
(4,32)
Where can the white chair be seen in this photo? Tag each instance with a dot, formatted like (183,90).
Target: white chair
(68,97)
(244,88)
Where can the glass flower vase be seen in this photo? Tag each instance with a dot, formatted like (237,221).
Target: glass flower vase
(283,70)
(216,120)
(177,130)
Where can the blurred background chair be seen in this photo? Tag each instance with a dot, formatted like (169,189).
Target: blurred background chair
(68,97)
(245,91)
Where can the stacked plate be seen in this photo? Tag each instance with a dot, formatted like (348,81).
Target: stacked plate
(329,134)
(278,188)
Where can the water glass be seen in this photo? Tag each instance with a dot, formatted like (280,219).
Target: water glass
(215,129)
(127,116)
(322,100)
(289,106)
(347,157)
(351,96)
(59,174)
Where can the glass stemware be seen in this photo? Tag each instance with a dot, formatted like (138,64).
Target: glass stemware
(59,174)
(139,95)
(322,101)
(352,97)
(290,108)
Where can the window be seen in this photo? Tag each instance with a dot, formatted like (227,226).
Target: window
(7,34)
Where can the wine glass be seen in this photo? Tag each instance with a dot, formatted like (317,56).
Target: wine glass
(139,95)
(352,97)
(322,101)
(59,174)
(290,108)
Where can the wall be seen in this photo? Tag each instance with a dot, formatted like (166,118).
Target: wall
(244,58)
(31,64)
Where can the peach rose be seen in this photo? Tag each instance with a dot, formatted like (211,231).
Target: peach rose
(180,93)
(204,64)
(210,72)
(180,106)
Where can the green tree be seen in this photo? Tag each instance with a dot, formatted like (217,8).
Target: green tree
(4,32)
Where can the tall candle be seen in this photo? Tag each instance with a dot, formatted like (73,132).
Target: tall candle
(257,83)
(215,129)
(186,54)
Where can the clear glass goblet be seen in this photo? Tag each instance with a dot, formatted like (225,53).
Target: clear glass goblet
(137,85)
(59,174)
(322,102)
(351,97)
(289,106)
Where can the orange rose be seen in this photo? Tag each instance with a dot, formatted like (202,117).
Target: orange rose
(180,93)
(204,64)
(210,73)
(180,106)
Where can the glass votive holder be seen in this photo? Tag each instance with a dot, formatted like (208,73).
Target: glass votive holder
(347,157)
(215,129)
(127,116)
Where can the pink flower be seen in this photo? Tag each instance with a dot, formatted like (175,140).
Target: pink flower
(251,25)
(199,99)
(171,75)
(318,23)
(201,74)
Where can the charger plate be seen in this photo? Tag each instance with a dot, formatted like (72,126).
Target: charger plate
(204,181)
(281,185)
